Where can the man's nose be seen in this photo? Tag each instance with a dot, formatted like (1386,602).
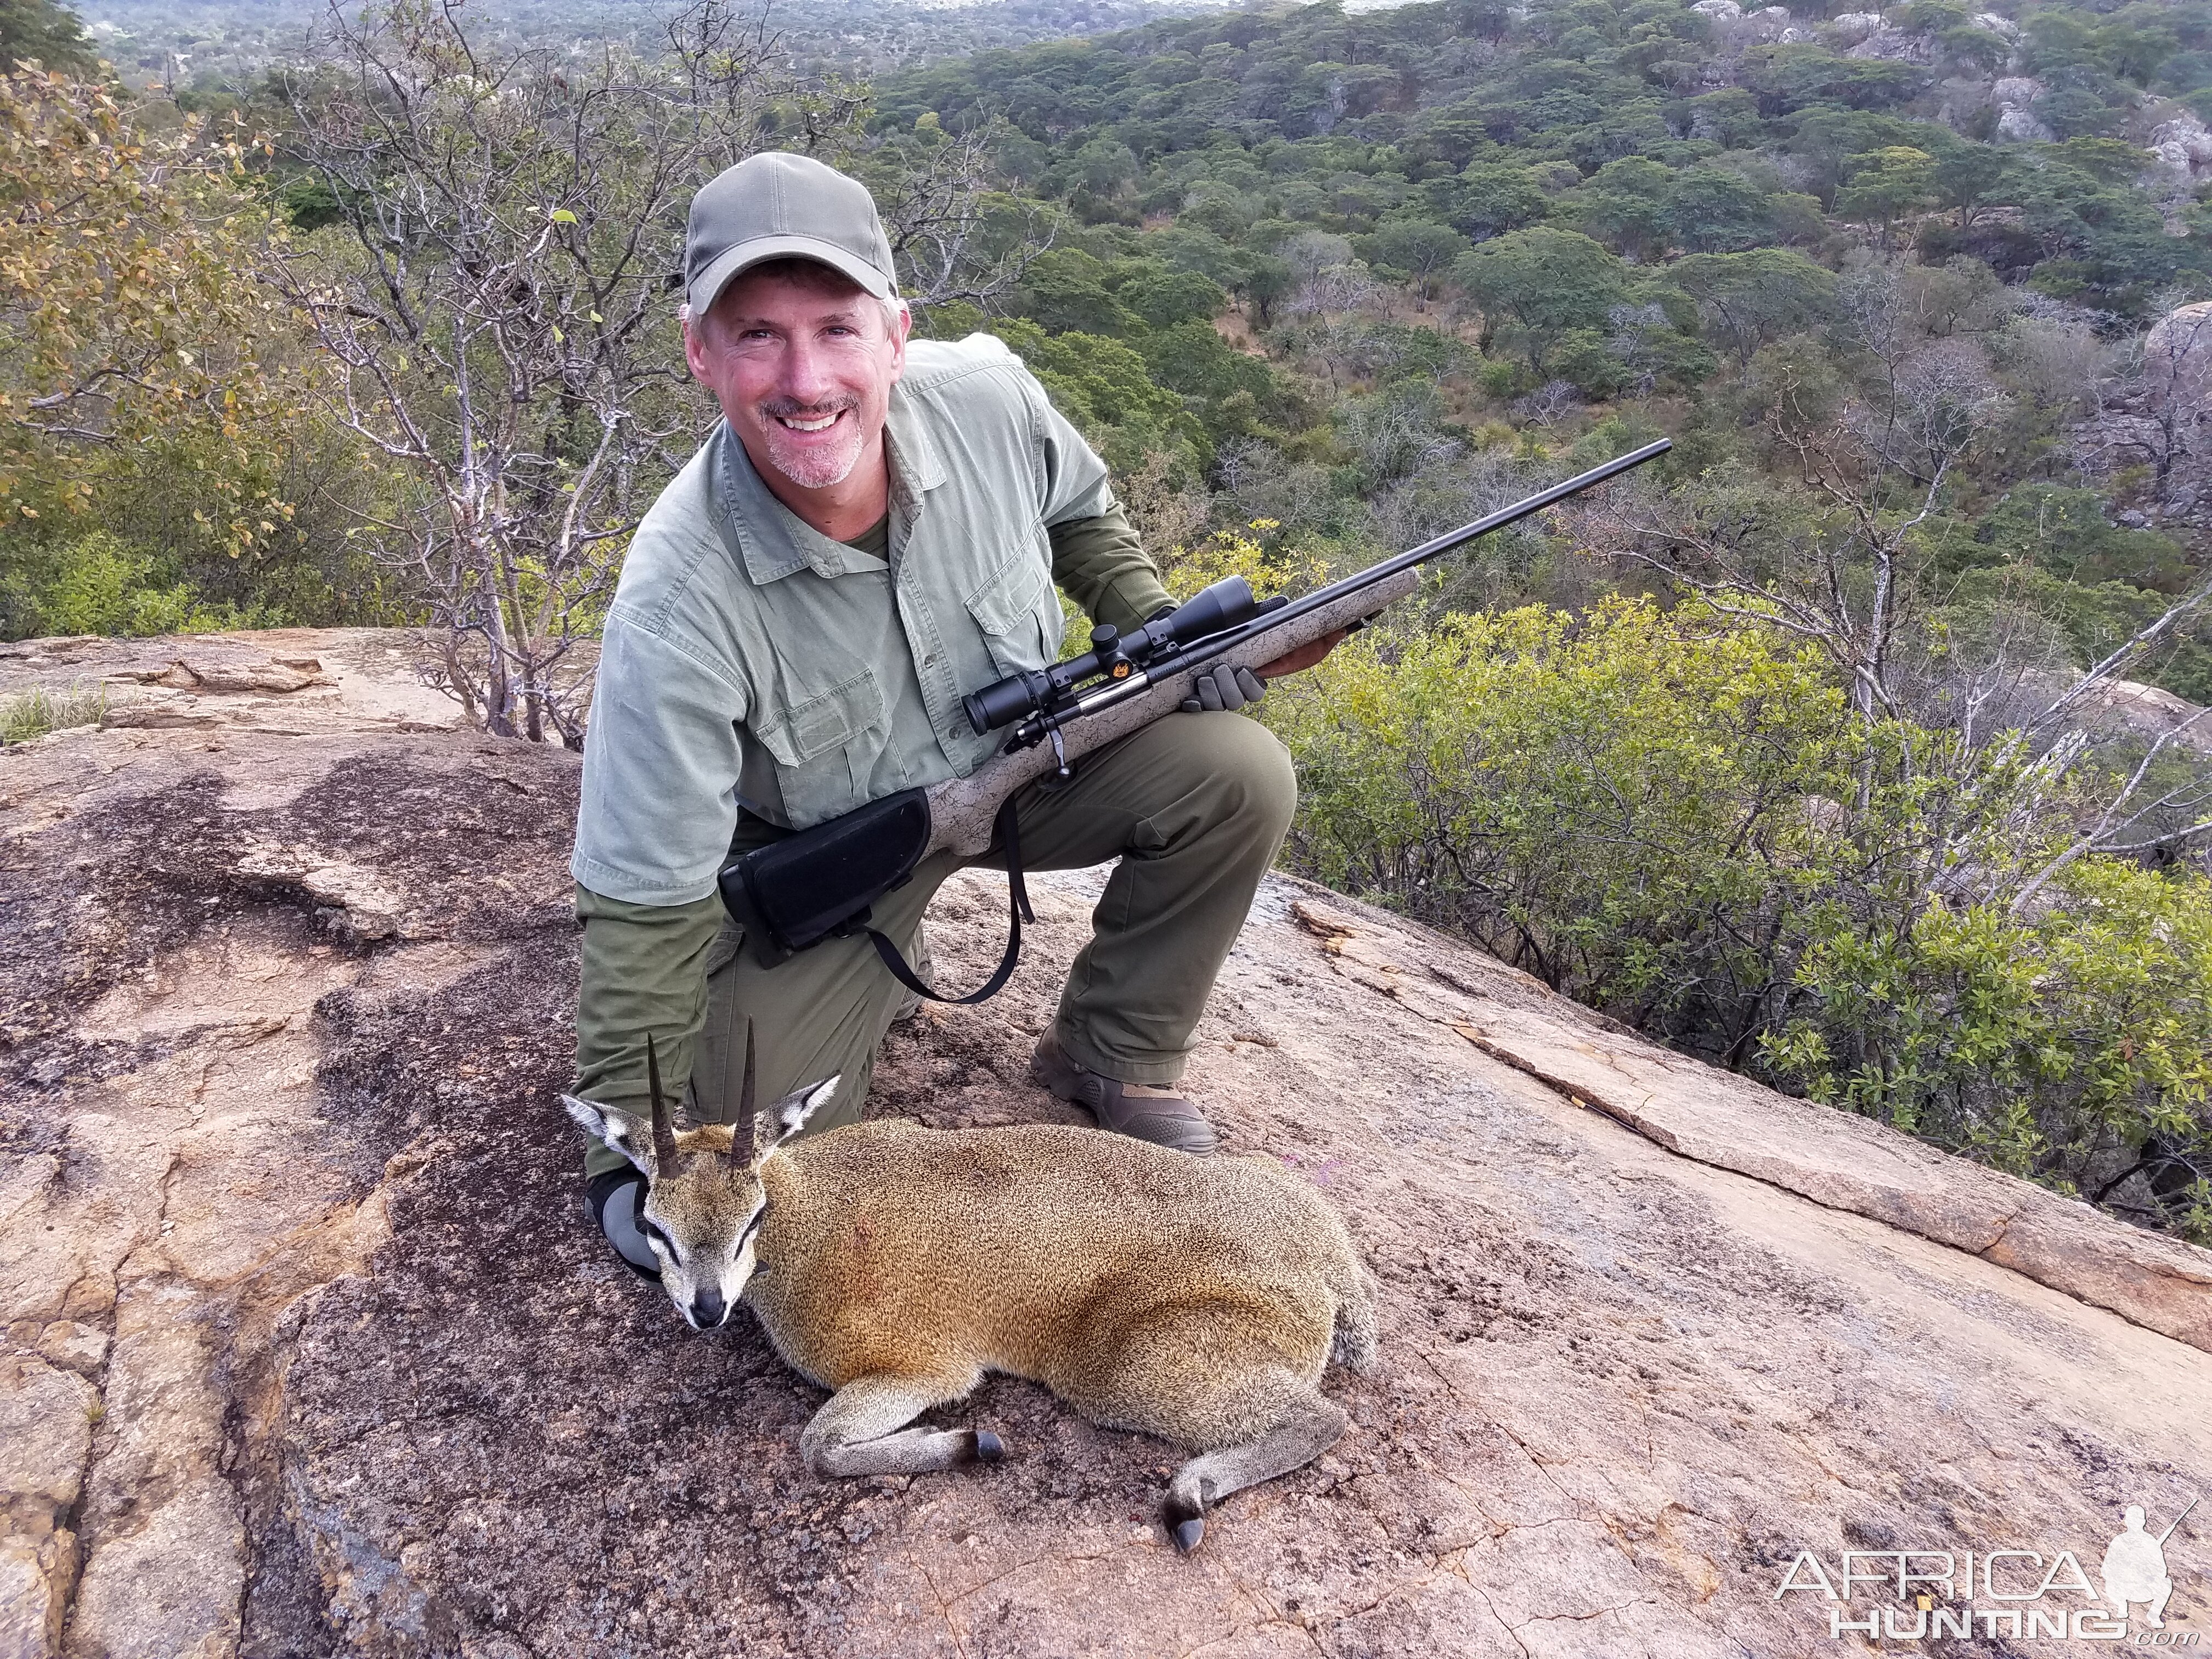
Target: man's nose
(708,1309)
(806,375)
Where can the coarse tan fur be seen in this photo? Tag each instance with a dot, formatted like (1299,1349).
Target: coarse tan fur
(1194,1299)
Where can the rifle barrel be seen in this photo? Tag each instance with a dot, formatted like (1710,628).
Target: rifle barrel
(2177,1521)
(1043,721)
(1414,556)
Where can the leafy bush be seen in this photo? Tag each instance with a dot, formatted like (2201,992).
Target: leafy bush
(99,585)
(2039,1044)
(1680,820)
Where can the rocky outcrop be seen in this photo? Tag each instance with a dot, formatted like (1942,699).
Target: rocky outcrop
(310,1352)
(2183,148)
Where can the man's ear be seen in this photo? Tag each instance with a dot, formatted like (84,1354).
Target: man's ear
(612,1129)
(696,347)
(898,328)
(784,1119)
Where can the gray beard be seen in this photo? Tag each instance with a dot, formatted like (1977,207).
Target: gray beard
(813,469)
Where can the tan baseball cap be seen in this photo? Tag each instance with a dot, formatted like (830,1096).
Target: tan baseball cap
(776,206)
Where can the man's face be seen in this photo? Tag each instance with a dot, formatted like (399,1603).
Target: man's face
(803,367)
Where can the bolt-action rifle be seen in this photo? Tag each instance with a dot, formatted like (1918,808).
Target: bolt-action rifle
(795,892)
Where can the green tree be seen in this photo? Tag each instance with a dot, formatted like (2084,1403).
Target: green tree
(1545,280)
(1750,299)
(40,32)
(1677,817)
(1111,394)
(1270,280)
(125,324)
(1164,297)
(1713,210)
(1423,250)
(1066,289)
(1490,198)
(1628,205)
(1886,184)
(1965,178)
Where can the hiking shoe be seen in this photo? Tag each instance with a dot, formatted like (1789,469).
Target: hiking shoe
(614,1199)
(1162,1116)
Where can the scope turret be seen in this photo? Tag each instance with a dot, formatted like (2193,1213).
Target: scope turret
(1016,697)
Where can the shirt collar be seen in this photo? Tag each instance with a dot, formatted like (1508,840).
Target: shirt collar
(773,541)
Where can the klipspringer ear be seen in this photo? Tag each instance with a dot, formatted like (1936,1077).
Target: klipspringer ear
(612,1129)
(787,1116)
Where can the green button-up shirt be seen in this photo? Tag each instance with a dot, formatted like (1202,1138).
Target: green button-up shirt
(748,660)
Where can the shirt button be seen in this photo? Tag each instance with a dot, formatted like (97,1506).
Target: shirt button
(930,661)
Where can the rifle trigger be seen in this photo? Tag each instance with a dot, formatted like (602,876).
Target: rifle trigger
(1062,774)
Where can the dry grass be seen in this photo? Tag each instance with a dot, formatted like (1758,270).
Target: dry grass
(41,709)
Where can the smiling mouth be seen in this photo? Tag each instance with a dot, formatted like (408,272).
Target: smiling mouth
(816,423)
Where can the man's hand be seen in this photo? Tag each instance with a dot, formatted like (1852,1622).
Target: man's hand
(1304,657)
(1231,689)
(1215,690)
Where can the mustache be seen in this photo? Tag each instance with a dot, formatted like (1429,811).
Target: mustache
(790,408)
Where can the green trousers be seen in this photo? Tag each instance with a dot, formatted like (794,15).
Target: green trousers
(1194,808)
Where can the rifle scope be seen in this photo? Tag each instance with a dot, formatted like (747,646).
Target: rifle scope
(1114,655)
(1224,615)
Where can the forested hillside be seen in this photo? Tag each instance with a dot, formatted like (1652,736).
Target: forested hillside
(1856,745)
(1453,222)
(198,47)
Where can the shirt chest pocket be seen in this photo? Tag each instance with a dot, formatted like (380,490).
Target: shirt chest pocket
(826,748)
(1017,609)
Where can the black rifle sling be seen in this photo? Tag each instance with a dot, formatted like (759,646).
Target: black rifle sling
(1017,912)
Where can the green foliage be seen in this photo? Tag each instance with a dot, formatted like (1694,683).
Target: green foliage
(123,317)
(2067,532)
(1625,205)
(2089,619)
(1489,198)
(1110,393)
(1164,298)
(1420,250)
(1349,124)
(100,585)
(1885,184)
(1795,76)
(1751,299)
(1649,812)
(1711,210)
(151,386)
(1586,357)
(1547,281)
(1067,289)
(2038,1043)
(40,32)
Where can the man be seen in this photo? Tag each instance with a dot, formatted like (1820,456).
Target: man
(874,529)
(2135,1569)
